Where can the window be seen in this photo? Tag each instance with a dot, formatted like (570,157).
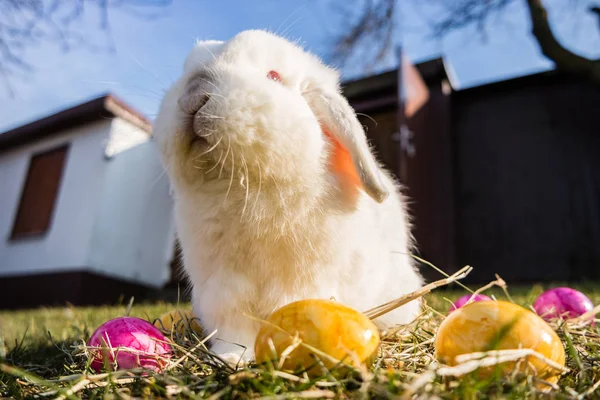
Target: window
(40,191)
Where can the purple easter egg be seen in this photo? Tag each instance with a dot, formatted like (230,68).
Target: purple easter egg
(131,342)
(562,302)
(464,299)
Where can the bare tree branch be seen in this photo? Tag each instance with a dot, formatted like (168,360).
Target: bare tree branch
(551,48)
(374,29)
(446,16)
(27,24)
(596,10)
(458,14)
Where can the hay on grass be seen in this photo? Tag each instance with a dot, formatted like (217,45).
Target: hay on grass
(405,367)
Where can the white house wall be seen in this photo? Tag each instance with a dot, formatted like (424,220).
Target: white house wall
(133,233)
(66,245)
(124,135)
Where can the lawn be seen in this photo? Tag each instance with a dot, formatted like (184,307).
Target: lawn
(42,354)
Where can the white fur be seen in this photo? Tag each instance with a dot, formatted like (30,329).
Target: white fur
(260,217)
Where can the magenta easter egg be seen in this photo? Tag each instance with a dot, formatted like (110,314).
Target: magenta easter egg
(129,343)
(464,299)
(562,302)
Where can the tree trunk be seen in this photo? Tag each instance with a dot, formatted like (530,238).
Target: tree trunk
(551,48)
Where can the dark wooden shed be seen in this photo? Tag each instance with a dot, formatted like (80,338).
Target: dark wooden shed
(504,176)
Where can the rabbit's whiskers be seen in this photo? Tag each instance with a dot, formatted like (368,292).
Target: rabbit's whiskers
(225,159)
(216,164)
(210,149)
(259,187)
(231,177)
(246,179)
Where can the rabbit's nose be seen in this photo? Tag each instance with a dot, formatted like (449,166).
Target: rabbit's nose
(202,101)
(191,103)
(196,93)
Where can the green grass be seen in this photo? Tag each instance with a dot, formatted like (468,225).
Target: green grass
(42,354)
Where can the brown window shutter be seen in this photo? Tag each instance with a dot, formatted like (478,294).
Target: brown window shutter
(40,191)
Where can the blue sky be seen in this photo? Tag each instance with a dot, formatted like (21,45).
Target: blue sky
(149,54)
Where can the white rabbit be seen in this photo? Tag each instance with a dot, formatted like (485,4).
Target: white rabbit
(277,194)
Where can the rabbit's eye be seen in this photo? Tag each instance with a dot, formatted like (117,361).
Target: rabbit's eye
(274,76)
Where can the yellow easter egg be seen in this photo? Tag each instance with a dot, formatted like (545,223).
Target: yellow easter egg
(178,321)
(500,325)
(339,332)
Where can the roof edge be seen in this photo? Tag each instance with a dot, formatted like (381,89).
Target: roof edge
(122,110)
(430,70)
(105,106)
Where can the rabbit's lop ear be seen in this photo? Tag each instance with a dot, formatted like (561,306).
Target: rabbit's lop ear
(352,160)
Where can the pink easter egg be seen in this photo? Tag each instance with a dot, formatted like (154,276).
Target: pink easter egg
(464,299)
(562,302)
(129,343)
